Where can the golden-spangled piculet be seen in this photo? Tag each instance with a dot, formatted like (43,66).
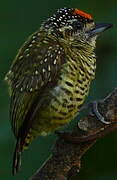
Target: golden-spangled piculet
(51,75)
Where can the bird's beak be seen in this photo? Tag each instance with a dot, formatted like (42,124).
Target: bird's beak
(101,27)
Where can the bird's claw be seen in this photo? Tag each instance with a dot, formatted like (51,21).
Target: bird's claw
(95,112)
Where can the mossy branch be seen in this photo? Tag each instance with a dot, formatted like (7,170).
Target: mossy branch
(66,156)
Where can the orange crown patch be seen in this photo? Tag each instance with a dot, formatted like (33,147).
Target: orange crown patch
(83,14)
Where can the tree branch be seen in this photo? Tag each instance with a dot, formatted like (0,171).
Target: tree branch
(65,159)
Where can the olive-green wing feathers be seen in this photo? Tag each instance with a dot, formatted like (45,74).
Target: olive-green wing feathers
(37,64)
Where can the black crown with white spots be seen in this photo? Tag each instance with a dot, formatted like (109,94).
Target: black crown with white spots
(63,17)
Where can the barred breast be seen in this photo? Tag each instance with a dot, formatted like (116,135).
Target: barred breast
(63,102)
(69,94)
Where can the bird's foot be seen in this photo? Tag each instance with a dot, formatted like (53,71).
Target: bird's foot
(93,106)
(70,138)
(95,112)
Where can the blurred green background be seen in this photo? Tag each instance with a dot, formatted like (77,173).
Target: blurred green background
(18,19)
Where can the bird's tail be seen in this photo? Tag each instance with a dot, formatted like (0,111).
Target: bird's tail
(21,145)
(17,158)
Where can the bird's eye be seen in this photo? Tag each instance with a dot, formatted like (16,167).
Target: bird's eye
(77,25)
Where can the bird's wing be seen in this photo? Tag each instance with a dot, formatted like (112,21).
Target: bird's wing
(38,63)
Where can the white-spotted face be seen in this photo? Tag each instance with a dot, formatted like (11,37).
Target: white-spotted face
(70,21)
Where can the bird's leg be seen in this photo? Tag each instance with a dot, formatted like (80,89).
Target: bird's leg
(93,106)
(70,138)
(95,112)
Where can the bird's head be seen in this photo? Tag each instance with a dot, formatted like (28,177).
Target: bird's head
(75,24)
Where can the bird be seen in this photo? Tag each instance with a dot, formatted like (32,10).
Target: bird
(50,76)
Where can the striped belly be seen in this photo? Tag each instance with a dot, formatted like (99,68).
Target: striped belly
(68,96)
